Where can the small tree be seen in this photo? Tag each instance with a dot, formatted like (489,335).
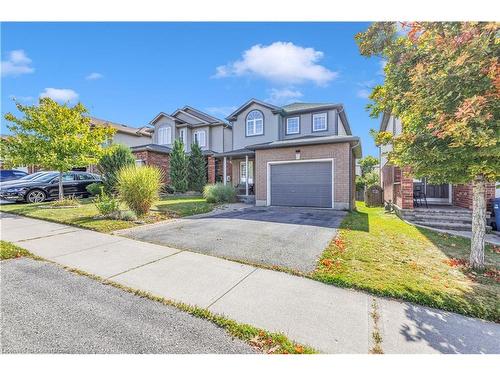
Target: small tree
(442,81)
(179,167)
(53,136)
(197,174)
(112,161)
(369,176)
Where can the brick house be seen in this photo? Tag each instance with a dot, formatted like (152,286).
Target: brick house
(190,125)
(401,188)
(301,154)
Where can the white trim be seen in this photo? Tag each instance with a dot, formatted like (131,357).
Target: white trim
(298,125)
(166,132)
(322,114)
(268,177)
(204,144)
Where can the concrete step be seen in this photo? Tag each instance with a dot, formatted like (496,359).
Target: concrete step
(444,218)
(444,225)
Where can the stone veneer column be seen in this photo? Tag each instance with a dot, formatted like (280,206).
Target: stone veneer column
(406,189)
(211,169)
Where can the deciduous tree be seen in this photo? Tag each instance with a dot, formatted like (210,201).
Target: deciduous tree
(53,136)
(442,80)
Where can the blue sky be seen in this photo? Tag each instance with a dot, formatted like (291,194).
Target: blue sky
(128,72)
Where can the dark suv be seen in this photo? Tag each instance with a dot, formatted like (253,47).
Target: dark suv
(46,187)
(11,174)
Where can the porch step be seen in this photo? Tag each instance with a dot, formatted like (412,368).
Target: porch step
(464,219)
(444,225)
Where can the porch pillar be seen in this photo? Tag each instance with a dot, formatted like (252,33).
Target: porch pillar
(246,175)
(224,174)
(211,170)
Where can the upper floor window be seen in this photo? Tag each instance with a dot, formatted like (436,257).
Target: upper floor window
(165,135)
(319,122)
(255,123)
(293,125)
(199,138)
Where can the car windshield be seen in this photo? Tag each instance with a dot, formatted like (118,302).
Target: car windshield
(33,176)
(47,177)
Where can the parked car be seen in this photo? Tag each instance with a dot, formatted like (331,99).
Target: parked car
(46,187)
(11,174)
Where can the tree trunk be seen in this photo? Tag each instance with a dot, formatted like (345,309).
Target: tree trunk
(61,191)
(478,223)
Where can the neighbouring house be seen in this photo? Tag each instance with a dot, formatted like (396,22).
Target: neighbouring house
(301,154)
(126,135)
(445,206)
(190,125)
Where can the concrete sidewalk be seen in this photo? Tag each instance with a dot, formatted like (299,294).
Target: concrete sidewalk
(330,319)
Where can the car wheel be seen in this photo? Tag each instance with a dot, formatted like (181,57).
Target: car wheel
(35,196)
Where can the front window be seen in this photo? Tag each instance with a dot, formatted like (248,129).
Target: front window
(293,125)
(255,123)
(243,171)
(199,138)
(319,122)
(165,135)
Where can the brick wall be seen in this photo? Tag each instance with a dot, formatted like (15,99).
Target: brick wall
(219,172)
(211,169)
(406,188)
(462,195)
(339,152)
(388,182)
(158,159)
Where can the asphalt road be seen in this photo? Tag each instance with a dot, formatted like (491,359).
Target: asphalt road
(45,309)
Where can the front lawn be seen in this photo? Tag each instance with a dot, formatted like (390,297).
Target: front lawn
(382,254)
(84,215)
(9,250)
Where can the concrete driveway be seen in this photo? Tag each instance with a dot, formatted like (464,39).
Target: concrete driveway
(276,236)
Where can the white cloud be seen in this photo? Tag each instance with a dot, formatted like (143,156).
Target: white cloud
(22,99)
(280,62)
(16,64)
(283,96)
(363,93)
(221,111)
(59,95)
(93,76)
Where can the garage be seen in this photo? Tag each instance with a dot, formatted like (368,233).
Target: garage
(300,184)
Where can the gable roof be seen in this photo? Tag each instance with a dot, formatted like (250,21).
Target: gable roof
(233,115)
(143,131)
(162,114)
(202,115)
(385,120)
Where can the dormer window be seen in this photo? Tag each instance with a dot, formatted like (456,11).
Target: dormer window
(292,125)
(254,123)
(199,138)
(165,135)
(319,123)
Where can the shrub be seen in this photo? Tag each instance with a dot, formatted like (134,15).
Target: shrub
(179,167)
(219,193)
(139,187)
(115,158)
(128,216)
(95,188)
(197,169)
(107,205)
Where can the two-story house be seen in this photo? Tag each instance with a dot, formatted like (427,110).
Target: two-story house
(190,125)
(301,154)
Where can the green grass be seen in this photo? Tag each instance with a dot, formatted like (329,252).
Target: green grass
(84,215)
(382,254)
(184,206)
(9,250)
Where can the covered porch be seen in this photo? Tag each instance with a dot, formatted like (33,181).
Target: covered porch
(238,169)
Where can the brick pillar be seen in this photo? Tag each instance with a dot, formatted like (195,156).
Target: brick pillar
(406,188)
(211,169)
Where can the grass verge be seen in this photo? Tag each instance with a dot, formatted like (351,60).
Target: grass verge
(380,253)
(262,340)
(84,215)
